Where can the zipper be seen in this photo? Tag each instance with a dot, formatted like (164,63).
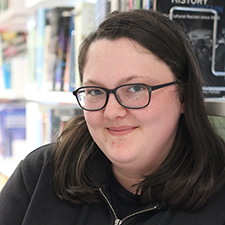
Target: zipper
(120,221)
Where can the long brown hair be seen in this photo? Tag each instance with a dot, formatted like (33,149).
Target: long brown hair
(195,167)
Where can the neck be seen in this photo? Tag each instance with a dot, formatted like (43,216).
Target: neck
(128,179)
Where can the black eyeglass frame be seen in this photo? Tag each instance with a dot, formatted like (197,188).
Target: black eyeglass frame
(108,91)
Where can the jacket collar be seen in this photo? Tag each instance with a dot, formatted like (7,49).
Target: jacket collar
(98,169)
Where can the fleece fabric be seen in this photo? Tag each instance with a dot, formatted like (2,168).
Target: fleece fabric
(29,198)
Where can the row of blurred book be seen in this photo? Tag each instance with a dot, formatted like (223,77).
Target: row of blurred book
(26,127)
(43,57)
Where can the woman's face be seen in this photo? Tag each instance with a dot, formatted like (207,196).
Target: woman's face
(134,140)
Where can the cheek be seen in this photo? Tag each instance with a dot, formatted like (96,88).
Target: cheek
(167,102)
(163,113)
(94,122)
(95,126)
(91,119)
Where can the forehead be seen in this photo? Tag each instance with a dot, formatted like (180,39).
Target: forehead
(106,47)
(122,58)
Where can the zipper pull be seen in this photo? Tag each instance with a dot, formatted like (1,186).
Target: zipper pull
(118,222)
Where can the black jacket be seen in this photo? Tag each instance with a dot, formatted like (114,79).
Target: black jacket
(29,198)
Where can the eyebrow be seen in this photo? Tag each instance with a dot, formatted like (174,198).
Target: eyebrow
(122,81)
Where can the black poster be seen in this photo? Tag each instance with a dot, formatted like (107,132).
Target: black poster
(203,22)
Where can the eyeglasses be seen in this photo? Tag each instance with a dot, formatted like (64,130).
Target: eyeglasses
(131,96)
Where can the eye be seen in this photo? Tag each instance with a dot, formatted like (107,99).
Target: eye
(137,88)
(95,92)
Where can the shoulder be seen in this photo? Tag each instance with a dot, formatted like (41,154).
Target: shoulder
(211,213)
(33,174)
(39,156)
(218,200)
(37,164)
(38,159)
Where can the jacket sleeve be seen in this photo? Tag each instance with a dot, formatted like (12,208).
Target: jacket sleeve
(17,192)
(14,199)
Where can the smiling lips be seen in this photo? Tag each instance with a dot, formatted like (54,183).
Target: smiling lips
(120,131)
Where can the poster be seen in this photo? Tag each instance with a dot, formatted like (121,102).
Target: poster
(203,22)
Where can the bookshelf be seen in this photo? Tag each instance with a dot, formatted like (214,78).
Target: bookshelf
(46,106)
(27,89)
(50,3)
(51,97)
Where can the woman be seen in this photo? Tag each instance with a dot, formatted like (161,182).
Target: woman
(143,153)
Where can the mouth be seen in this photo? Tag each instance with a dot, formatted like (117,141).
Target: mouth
(121,131)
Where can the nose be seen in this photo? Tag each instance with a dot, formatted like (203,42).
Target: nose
(113,109)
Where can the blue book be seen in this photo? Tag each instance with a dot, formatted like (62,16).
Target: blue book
(40,34)
(72,64)
(12,128)
(6,69)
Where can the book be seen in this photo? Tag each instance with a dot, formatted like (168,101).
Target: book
(46,79)
(57,49)
(72,62)
(66,75)
(19,80)
(31,51)
(12,129)
(102,9)
(6,70)
(115,5)
(2,79)
(40,46)
(62,49)
(12,44)
(69,74)
(203,24)
(84,25)
(127,5)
